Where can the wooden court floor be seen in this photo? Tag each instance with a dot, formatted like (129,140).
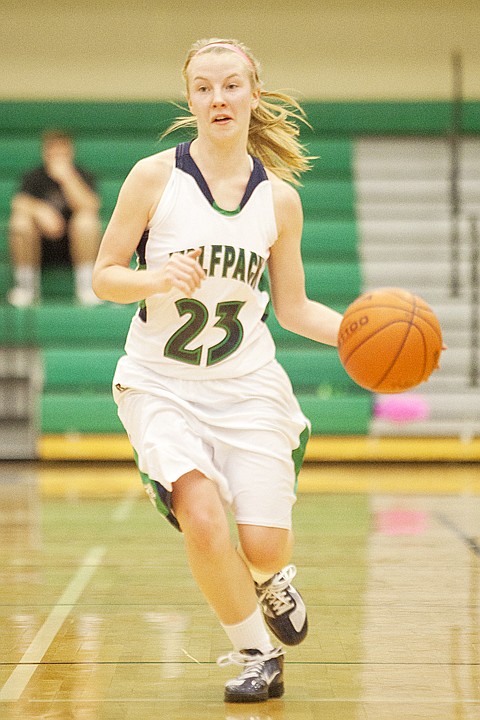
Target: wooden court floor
(100,620)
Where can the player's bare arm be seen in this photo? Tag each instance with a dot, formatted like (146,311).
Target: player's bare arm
(294,310)
(113,279)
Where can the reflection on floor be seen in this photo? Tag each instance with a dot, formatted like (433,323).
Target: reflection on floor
(100,619)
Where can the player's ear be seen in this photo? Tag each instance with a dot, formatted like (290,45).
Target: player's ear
(255,99)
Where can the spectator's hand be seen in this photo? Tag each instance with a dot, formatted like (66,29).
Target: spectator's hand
(59,167)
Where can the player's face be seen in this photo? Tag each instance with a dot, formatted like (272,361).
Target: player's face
(220,94)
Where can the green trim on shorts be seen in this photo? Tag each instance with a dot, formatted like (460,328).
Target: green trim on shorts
(299,453)
(152,488)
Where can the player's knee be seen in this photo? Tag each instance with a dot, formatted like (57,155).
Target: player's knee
(205,528)
(267,549)
(199,510)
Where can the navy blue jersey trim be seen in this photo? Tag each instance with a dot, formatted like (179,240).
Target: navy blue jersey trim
(185,162)
(257,176)
(142,249)
(141,252)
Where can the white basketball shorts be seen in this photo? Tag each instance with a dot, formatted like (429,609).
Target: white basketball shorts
(246,434)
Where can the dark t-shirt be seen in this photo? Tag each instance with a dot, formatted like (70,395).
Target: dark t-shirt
(40,185)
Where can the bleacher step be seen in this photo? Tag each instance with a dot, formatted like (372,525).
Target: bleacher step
(427,428)
(20,387)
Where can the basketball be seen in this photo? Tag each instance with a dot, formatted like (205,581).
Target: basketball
(389,340)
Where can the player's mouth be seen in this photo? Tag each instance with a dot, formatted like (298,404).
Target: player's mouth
(221,119)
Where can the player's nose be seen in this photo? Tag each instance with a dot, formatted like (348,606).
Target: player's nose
(218,99)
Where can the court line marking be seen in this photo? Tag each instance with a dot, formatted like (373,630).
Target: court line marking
(470,542)
(21,675)
(124,508)
(420,701)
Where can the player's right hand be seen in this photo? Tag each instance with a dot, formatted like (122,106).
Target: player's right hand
(183,272)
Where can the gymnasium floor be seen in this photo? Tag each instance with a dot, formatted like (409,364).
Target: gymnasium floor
(100,620)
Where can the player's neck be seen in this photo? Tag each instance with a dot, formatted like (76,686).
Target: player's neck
(227,159)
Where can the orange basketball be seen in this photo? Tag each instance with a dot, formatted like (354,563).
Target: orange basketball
(389,340)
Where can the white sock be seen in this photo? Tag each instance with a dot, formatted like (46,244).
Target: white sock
(249,634)
(27,277)
(83,276)
(259,576)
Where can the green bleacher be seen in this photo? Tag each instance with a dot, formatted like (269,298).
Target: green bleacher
(80,346)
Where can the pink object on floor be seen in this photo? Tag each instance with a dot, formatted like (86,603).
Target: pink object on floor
(401,408)
(400,522)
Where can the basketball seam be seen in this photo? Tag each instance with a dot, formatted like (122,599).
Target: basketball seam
(430,325)
(395,307)
(374,306)
(425,353)
(402,345)
(352,310)
(421,374)
(377,330)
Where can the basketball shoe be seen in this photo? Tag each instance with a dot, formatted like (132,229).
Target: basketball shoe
(261,679)
(283,608)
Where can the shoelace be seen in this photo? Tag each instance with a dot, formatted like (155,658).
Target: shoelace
(249,661)
(276,595)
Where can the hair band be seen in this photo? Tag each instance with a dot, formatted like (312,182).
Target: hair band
(228,46)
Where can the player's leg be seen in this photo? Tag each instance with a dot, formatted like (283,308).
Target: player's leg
(227,585)
(215,564)
(267,552)
(260,453)
(84,231)
(266,549)
(161,431)
(30,219)
(261,459)
(264,494)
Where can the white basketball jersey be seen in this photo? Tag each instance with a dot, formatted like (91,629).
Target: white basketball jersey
(220,331)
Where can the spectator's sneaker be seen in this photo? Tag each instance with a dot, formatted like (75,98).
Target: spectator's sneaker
(261,679)
(21,297)
(283,608)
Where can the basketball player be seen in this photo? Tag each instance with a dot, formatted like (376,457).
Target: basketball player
(209,412)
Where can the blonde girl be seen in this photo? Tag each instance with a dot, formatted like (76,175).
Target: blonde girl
(209,411)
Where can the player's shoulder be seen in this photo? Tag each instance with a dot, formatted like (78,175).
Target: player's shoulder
(150,175)
(285,196)
(155,166)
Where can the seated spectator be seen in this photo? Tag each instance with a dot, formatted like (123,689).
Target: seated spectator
(54,220)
